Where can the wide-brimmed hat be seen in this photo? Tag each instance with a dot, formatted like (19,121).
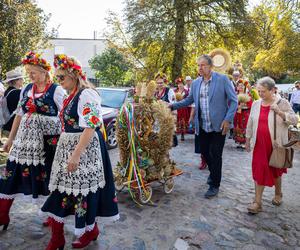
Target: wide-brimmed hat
(188,78)
(13,75)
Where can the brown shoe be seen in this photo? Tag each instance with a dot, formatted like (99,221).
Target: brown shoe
(277,200)
(254,208)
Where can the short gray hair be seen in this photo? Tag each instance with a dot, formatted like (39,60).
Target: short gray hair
(267,82)
(207,58)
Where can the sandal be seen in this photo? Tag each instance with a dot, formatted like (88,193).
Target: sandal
(277,200)
(254,208)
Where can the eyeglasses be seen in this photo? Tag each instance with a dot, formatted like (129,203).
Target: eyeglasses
(60,78)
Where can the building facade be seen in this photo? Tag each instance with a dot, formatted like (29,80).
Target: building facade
(82,49)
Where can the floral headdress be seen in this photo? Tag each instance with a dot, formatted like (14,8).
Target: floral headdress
(179,80)
(160,75)
(70,64)
(245,82)
(36,59)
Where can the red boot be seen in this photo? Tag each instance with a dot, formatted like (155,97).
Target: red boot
(5,205)
(86,238)
(94,233)
(203,164)
(47,222)
(57,240)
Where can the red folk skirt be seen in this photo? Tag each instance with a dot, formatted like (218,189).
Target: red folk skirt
(263,174)
(240,125)
(183,116)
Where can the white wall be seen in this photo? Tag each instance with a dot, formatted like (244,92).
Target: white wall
(82,49)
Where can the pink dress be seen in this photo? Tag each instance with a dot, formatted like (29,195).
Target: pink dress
(263,174)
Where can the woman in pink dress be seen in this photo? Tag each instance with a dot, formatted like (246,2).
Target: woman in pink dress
(260,129)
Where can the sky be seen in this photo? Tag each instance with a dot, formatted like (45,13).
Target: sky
(79,19)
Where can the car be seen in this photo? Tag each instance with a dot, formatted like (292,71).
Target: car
(112,100)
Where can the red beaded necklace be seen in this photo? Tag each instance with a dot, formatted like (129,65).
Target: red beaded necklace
(160,95)
(65,104)
(30,103)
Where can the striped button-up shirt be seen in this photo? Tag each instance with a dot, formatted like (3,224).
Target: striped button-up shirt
(295,98)
(204,106)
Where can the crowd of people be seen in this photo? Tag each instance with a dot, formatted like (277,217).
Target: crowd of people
(56,147)
(77,177)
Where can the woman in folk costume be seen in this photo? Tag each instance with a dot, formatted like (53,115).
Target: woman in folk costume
(165,94)
(81,179)
(183,114)
(242,114)
(32,139)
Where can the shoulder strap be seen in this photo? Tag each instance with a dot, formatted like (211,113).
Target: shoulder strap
(275,121)
(274,126)
(9,92)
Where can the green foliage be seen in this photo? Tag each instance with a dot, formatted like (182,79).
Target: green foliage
(276,48)
(167,35)
(111,68)
(265,39)
(22,29)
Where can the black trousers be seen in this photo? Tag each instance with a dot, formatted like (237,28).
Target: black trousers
(296,108)
(211,145)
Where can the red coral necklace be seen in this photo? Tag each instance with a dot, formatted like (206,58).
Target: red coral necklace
(65,104)
(160,95)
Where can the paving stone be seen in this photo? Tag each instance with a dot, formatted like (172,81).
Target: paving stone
(269,239)
(215,224)
(36,235)
(202,226)
(226,243)
(181,244)
(241,234)
(253,247)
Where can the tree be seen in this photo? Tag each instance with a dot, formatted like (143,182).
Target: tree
(173,24)
(23,27)
(111,68)
(276,49)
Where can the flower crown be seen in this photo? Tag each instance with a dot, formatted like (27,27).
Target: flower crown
(68,63)
(178,80)
(36,59)
(246,83)
(160,75)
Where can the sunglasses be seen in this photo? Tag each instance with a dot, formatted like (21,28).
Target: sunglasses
(60,78)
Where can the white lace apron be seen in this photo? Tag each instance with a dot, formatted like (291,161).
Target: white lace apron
(90,174)
(28,146)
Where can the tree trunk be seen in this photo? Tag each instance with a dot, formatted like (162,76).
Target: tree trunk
(179,40)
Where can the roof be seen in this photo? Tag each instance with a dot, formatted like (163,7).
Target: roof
(118,88)
(88,39)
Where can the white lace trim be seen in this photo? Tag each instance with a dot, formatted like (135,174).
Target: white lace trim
(28,147)
(7,197)
(26,197)
(90,228)
(79,232)
(89,175)
(102,220)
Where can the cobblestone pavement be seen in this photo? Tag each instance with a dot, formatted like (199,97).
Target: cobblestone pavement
(184,219)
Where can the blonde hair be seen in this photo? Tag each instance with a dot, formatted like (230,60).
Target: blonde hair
(48,77)
(80,82)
